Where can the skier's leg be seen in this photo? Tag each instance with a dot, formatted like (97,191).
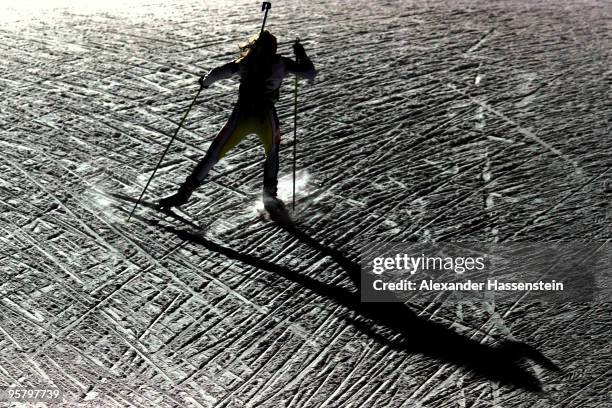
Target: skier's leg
(220,145)
(271,141)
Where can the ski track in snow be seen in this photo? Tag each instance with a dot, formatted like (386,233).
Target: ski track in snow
(429,120)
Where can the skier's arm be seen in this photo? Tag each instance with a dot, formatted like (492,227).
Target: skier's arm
(219,73)
(302,66)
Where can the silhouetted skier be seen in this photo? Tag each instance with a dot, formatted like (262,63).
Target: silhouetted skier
(261,72)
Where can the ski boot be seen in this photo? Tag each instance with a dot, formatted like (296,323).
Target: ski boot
(181,196)
(274,205)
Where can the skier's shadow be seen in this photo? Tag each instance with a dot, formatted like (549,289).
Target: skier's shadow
(391,324)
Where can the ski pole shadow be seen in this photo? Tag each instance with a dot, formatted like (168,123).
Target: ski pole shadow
(391,324)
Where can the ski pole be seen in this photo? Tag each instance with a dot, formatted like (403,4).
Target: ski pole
(295,110)
(295,95)
(265,6)
(165,151)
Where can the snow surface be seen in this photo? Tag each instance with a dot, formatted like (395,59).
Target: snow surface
(457,120)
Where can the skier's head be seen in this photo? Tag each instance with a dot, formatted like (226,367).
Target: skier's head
(262,46)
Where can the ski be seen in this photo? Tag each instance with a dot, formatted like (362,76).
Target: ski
(177,215)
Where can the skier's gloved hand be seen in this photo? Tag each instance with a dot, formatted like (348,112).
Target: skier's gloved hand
(298,50)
